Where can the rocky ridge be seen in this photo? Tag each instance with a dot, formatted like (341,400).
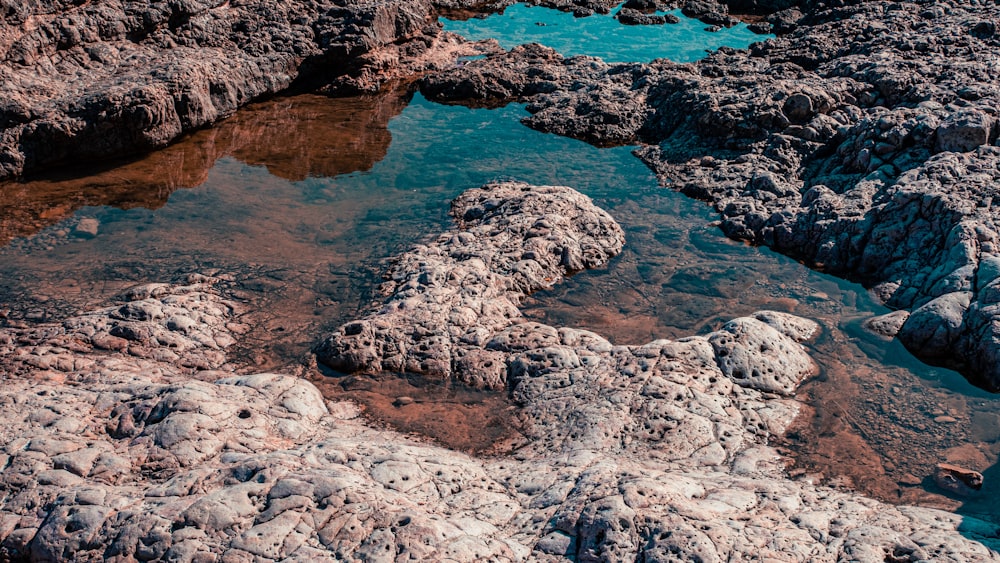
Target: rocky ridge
(862,141)
(98,80)
(117,452)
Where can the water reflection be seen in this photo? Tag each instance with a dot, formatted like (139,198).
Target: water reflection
(294,138)
(224,199)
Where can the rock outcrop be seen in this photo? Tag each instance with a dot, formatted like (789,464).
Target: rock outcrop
(863,142)
(113,451)
(95,80)
(451,297)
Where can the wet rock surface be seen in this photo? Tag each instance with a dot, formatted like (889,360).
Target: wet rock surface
(862,141)
(94,80)
(632,451)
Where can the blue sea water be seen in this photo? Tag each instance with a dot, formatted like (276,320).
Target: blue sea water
(602,36)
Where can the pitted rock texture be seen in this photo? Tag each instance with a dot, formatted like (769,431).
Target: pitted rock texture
(640,452)
(112,452)
(450,297)
(862,141)
(94,80)
(188,327)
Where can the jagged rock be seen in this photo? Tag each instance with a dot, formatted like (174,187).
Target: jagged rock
(95,80)
(964,131)
(569,96)
(858,141)
(629,16)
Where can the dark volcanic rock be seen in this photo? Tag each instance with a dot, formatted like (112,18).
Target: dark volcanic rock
(709,11)
(629,16)
(92,80)
(579,97)
(862,143)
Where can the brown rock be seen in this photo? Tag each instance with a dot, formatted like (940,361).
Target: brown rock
(958,480)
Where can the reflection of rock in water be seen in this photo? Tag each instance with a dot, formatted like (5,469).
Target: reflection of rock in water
(293,137)
(305,136)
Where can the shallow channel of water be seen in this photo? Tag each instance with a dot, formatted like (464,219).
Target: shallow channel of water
(300,199)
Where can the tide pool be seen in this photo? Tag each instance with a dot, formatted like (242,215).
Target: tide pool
(302,200)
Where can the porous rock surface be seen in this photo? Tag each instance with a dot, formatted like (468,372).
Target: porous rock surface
(862,141)
(449,298)
(651,452)
(83,81)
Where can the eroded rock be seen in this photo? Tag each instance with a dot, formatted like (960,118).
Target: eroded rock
(104,79)
(958,480)
(633,451)
(859,141)
(450,297)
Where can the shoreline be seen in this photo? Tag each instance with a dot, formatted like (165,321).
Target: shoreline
(731,181)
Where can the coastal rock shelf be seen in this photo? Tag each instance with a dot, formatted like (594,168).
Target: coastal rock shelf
(450,298)
(656,451)
(99,80)
(862,141)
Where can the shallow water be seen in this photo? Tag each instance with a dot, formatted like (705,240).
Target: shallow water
(299,200)
(601,35)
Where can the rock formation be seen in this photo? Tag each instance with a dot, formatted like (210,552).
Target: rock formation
(861,142)
(129,437)
(451,297)
(95,80)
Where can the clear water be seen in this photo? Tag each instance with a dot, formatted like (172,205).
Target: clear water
(301,199)
(601,35)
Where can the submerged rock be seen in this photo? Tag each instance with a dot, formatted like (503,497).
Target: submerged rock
(887,325)
(958,480)
(632,451)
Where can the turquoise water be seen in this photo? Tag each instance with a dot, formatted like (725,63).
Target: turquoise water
(601,35)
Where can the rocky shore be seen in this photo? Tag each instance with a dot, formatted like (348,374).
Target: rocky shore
(95,81)
(131,437)
(862,141)
(310,136)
